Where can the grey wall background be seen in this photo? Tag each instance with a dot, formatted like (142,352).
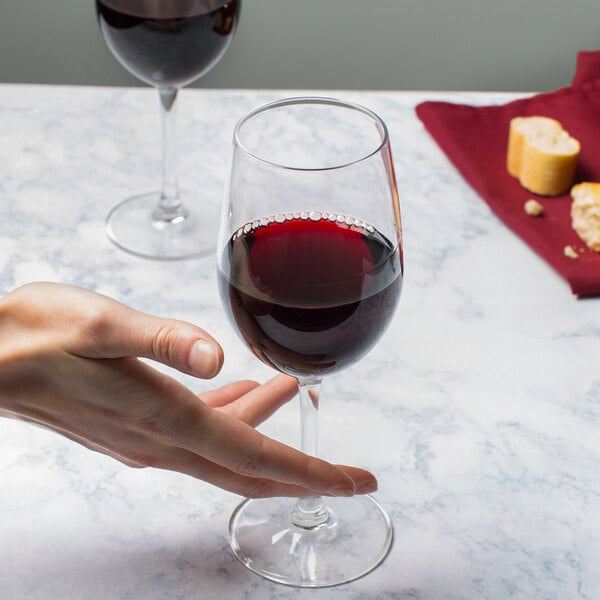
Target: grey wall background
(511,45)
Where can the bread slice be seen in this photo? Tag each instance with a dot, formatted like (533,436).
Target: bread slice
(524,128)
(585,213)
(542,155)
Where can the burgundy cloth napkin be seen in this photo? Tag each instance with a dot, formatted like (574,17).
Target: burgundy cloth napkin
(475,139)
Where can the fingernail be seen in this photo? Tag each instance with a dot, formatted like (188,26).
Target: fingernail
(342,491)
(367,487)
(204,359)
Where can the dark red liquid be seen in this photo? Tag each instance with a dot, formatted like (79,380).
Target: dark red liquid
(310,296)
(168,43)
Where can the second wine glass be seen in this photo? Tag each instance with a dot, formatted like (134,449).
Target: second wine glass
(167,44)
(310,271)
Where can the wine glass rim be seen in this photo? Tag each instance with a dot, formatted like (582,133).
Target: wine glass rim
(323,100)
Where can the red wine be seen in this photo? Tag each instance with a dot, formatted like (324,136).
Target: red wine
(168,43)
(310,293)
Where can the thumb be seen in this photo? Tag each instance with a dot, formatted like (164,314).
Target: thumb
(177,344)
(122,331)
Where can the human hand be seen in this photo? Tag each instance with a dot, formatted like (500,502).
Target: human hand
(69,362)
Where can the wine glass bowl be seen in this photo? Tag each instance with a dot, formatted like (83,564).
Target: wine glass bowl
(167,44)
(310,269)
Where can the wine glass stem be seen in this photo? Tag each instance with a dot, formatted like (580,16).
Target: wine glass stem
(169,209)
(309,512)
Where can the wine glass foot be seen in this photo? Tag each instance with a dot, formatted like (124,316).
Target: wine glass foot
(353,542)
(133,226)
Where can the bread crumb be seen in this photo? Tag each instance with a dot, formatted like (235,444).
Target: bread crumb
(533,208)
(570,252)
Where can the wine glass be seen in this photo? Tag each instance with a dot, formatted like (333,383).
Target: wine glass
(310,270)
(168,44)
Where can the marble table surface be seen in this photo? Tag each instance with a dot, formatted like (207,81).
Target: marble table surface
(479,411)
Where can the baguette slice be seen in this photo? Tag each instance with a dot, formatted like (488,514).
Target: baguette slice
(585,213)
(542,155)
(524,128)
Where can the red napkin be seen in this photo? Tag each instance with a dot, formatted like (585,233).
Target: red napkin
(475,139)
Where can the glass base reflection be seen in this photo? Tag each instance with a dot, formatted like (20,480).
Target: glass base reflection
(353,541)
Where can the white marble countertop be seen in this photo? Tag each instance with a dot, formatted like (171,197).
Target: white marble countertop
(479,411)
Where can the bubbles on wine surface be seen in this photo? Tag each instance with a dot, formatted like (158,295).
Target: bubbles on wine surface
(313,215)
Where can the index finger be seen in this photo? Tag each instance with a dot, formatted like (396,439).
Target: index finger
(258,402)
